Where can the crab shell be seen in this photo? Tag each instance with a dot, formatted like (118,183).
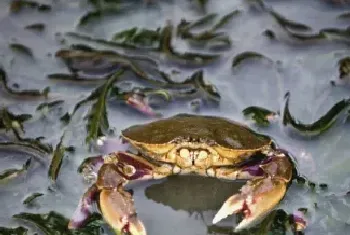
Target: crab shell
(196,142)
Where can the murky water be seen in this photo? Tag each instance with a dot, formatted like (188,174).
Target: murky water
(304,68)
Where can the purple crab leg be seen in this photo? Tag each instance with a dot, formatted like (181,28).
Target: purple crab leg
(83,211)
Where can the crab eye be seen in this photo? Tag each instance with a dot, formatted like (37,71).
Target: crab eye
(184,153)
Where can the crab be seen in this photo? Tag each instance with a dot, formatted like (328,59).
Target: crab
(185,144)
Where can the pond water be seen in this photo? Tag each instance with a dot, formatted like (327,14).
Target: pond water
(303,66)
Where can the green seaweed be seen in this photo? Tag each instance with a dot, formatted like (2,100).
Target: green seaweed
(259,115)
(238,59)
(13,231)
(74,78)
(286,23)
(10,121)
(65,118)
(9,174)
(21,93)
(55,223)
(209,90)
(194,59)
(185,26)
(17,6)
(344,15)
(225,20)
(97,118)
(38,27)
(100,63)
(30,200)
(56,161)
(22,49)
(26,147)
(323,124)
(101,41)
(97,14)
(140,37)
(206,36)
(49,105)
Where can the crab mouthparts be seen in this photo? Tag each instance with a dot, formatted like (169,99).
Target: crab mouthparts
(193,154)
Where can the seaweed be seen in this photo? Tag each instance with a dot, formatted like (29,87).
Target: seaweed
(10,121)
(22,49)
(56,161)
(26,147)
(13,231)
(194,59)
(97,14)
(30,200)
(207,90)
(165,46)
(238,59)
(185,26)
(99,63)
(97,118)
(286,23)
(9,174)
(344,15)
(225,20)
(21,93)
(102,41)
(321,125)
(261,116)
(19,5)
(207,36)
(141,37)
(49,105)
(65,118)
(37,27)
(55,223)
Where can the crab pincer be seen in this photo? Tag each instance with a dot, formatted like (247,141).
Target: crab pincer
(260,195)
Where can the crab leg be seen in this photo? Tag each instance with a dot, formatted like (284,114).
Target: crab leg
(115,203)
(261,194)
(84,209)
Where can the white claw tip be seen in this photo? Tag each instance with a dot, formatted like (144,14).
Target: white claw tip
(218,217)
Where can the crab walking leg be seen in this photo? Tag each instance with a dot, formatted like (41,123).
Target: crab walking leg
(84,209)
(261,194)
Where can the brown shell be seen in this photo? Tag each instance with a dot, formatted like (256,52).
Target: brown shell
(211,129)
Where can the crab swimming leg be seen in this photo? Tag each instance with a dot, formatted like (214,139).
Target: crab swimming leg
(266,187)
(115,203)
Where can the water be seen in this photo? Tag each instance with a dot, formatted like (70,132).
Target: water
(304,69)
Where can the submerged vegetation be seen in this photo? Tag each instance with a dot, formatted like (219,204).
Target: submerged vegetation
(145,72)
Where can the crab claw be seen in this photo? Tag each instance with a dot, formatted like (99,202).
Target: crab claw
(118,211)
(257,198)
